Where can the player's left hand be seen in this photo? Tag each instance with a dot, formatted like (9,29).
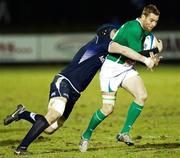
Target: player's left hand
(159,45)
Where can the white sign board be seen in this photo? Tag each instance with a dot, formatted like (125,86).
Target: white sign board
(62,47)
(18,48)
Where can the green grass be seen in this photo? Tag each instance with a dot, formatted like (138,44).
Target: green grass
(156,131)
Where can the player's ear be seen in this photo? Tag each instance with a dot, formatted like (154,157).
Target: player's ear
(143,16)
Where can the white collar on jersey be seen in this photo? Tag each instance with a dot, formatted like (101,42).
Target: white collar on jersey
(139,22)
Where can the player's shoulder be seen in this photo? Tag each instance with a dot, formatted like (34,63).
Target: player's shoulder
(132,23)
(133,26)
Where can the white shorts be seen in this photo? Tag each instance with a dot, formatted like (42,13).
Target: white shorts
(112,75)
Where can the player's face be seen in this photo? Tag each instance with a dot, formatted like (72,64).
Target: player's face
(150,21)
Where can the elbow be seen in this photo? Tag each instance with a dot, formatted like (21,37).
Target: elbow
(110,47)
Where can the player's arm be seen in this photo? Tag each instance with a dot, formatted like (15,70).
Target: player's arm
(134,45)
(146,52)
(115,47)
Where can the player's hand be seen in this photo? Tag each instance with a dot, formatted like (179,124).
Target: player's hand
(155,58)
(159,45)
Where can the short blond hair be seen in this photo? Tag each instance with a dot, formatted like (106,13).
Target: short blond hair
(150,9)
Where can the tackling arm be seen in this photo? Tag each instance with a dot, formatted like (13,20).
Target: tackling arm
(115,47)
(146,52)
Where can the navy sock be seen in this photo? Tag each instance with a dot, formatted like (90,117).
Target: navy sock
(38,127)
(29,116)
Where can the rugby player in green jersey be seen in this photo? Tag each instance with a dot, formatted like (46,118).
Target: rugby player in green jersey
(118,71)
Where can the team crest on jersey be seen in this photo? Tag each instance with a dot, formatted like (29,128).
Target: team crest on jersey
(102,59)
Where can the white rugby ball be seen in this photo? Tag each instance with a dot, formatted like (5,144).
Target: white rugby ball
(149,42)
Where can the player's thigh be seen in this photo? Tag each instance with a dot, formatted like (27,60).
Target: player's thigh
(135,86)
(57,103)
(56,108)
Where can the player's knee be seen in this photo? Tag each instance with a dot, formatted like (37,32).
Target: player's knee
(108,104)
(144,97)
(55,126)
(141,98)
(107,109)
(49,130)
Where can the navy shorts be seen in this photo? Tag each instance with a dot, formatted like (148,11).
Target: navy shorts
(61,86)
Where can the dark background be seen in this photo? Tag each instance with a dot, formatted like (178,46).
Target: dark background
(35,16)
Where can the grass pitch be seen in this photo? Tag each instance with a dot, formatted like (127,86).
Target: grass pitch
(155,133)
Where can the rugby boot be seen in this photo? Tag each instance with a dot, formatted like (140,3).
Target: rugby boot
(123,137)
(21,151)
(83,145)
(14,116)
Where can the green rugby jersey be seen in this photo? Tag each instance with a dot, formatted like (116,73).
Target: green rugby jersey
(130,34)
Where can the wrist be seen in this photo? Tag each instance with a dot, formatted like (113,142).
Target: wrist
(147,61)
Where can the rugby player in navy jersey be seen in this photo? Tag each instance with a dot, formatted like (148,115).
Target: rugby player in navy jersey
(68,84)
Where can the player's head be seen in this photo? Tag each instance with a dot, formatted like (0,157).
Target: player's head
(107,30)
(149,17)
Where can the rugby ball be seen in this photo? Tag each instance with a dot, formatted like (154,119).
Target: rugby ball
(149,42)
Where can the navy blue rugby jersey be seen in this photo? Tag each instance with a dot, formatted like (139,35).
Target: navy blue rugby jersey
(87,62)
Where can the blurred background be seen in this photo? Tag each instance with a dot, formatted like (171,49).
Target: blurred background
(53,30)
